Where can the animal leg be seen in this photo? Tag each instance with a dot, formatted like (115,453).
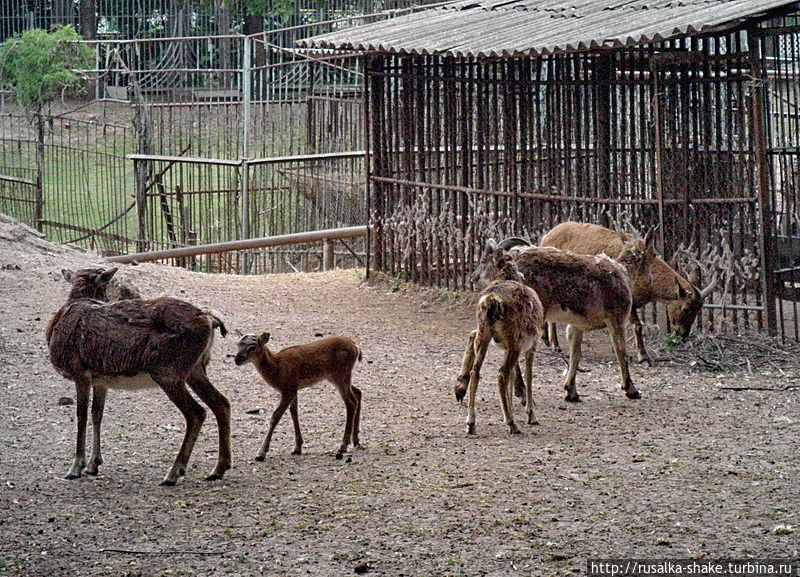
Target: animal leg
(221,407)
(529,386)
(481,344)
(466,368)
(505,383)
(286,400)
(82,390)
(350,405)
(357,419)
(194,414)
(638,334)
(519,386)
(552,329)
(575,337)
(617,330)
(98,404)
(298,436)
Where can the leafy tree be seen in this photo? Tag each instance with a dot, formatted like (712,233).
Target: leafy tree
(38,65)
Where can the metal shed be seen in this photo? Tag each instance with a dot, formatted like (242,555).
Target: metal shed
(494,117)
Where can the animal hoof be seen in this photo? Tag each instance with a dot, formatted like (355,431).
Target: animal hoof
(646,361)
(533,422)
(515,431)
(573,399)
(339,456)
(633,394)
(360,447)
(261,458)
(214,477)
(460,394)
(297,452)
(167,483)
(471,429)
(72,476)
(92,472)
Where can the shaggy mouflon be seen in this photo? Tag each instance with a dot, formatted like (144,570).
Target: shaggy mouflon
(136,344)
(511,314)
(585,292)
(683,299)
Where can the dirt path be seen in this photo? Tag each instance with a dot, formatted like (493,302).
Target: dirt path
(688,471)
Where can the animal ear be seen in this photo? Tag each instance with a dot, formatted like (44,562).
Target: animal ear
(650,236)
(263,339)
(500,256)
(105,277)
(69,275)
(490,246)
(682,294)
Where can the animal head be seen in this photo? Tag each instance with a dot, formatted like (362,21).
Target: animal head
(89,283)
(683,311)
(496,262)
(249,346)
(638,255)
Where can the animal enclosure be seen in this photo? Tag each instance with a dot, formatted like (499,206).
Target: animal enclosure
(698,135)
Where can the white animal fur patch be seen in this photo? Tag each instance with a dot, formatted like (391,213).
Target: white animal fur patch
(134,383)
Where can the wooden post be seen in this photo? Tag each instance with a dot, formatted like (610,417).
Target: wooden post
(659,161)
(604,75)
(765,209)
(140,174)
(39,207)
(328,256)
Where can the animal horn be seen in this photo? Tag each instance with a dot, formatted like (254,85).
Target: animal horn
(511,242)
(711,286)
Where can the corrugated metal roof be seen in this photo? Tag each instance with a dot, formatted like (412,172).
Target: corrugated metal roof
(517,27)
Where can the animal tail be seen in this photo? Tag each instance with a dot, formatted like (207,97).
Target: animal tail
(359,352)
(216,321)
(491,308)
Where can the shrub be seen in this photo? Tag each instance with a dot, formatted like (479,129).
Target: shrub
(38,64)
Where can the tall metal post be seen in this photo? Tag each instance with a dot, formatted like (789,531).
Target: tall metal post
(245,200)
(246,95)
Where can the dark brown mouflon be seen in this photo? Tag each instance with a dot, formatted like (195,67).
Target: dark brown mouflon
(136,344)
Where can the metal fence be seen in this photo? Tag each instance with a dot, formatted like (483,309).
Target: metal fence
(221,98)
(697,135)
(186,201)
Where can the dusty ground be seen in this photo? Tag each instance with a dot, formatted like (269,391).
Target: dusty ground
(690,470)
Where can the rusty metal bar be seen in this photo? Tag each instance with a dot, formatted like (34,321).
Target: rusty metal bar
(248,244)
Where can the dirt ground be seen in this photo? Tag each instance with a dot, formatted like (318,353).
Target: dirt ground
(690,470)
